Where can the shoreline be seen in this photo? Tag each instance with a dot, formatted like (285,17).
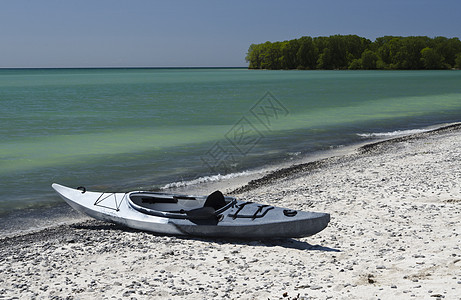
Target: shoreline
(361,148)
(63,215)
(395,207)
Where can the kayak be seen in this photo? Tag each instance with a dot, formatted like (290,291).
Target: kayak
(214,215)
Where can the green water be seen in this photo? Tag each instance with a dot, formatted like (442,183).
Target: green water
(124,129)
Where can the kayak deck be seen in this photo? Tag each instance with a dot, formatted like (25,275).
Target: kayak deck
(205,216)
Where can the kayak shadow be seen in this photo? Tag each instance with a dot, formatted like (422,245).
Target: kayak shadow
(289,243)
(300,245)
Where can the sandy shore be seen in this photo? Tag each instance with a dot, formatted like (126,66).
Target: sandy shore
(395,233)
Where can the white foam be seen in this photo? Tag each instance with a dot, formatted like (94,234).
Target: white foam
(205,179)
(294,153)
(392,133)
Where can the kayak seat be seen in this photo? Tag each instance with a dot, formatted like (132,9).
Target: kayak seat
(215,200)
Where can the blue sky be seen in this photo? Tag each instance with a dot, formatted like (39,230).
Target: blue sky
(109,33)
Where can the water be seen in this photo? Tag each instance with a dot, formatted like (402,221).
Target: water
(124,129)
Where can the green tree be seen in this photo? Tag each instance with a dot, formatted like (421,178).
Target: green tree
(382,48)
(325,60)
(395,53)
(354,52)
(369,59)
(409,54)
(381,65)
(341,51)
(253,56)
(355,46)
(270,56)
(336,56)
(321,43)
(448,48)
(289,54)
(356,64)
(431,59)
(458,61)
(307,54)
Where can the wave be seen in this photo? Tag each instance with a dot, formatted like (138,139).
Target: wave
(392,133)
(205,179)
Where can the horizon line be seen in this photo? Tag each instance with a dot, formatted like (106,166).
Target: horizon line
(126,67)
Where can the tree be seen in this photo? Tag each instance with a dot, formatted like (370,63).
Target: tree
(325,60)
(382,48)
(356,64)
(340,50)
(321,43)
(354,52)
(458,61)
(269,56)
(369,59)
(448,48)
(254,56)
(396,57)
(355,46)
(336,57)
(409,54)
(289,54)
(307,53)
(431,59)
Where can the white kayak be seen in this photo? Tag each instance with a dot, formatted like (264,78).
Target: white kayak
(205,216)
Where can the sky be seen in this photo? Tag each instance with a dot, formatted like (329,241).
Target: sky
(196,33)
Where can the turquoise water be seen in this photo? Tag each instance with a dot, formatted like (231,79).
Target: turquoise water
(123,129)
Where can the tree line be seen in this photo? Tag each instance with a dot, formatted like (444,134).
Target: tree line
(357,53)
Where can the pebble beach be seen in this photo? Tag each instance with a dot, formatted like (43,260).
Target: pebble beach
(395,232)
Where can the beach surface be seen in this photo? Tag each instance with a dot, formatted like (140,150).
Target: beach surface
(394,233)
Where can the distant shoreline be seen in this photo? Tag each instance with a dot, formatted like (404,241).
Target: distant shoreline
(342,52)
(116,68)
(196,68)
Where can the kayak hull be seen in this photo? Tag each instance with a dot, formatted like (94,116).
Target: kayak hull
(237,219)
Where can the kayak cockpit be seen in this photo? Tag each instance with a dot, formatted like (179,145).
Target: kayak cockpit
(180,206)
